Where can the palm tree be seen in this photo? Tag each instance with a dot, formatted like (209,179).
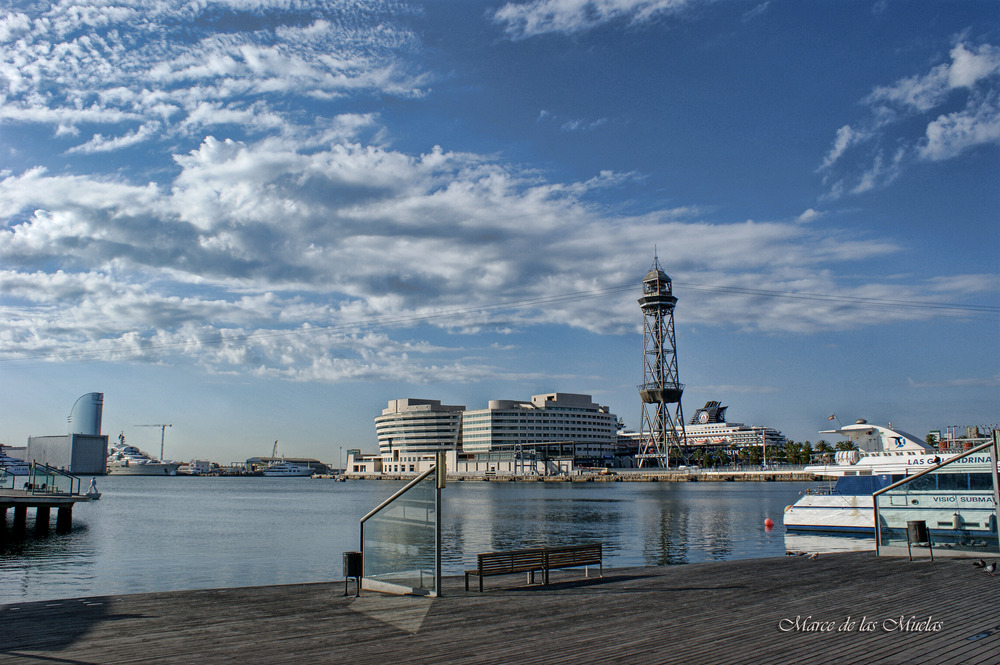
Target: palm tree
(823,447)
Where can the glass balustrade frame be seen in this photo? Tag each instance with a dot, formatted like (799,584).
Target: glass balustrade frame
(401,538)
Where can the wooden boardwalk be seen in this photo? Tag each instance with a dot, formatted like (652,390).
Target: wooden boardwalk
(871,610)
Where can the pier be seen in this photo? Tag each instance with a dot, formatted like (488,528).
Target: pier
(21,500)
(835,608)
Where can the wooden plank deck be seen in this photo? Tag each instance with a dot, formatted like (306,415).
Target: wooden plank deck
(724,612)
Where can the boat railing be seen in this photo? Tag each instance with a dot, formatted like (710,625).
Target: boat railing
(401,538)
(953,500)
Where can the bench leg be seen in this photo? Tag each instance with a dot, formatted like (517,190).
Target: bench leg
(480,583)
(466,581)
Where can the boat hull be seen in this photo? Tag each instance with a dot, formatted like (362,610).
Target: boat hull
(832,513)
(151,469)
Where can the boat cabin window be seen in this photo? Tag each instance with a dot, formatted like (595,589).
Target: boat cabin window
(953,481)
(928,482)
(980,481)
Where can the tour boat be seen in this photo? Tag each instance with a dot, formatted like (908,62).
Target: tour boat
(957,501)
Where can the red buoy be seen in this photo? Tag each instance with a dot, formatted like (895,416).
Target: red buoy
(768,524)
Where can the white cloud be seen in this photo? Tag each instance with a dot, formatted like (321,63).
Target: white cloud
(808,215)
(284,261)
(952,134)
(857,162)
(536,17)
(69,65)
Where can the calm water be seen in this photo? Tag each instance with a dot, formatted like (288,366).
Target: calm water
(158,534)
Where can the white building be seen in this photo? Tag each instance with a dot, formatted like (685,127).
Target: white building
(548,434)
(552,418)
(410,432)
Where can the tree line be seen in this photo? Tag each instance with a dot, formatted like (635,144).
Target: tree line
(793,452)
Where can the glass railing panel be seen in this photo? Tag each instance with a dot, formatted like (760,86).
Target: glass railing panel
(48,480)
(7,480)
(956,502)
(400,540)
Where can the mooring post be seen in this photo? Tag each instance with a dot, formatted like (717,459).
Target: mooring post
(64,519)
(42,519)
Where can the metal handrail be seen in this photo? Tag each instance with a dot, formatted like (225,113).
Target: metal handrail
(395,496)
(996,486)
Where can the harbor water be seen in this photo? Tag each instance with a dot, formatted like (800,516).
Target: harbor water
(172,533)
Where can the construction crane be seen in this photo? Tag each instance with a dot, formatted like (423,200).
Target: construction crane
(163,429)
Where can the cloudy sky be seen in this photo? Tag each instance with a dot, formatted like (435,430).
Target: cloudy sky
(260,220)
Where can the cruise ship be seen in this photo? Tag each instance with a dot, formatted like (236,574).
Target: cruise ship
(708,427)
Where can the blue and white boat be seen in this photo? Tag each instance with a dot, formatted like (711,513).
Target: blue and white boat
(957,499)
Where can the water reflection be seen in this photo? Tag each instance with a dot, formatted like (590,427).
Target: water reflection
(155,534)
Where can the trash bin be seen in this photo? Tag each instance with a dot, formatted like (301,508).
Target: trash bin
(916,532)
(352,568)
(352,564)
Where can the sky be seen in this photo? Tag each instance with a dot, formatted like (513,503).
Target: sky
(261,220)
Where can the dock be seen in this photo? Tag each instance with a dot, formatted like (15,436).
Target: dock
(834,608)
(42,503)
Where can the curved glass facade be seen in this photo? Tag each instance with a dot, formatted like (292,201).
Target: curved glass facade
(85,418)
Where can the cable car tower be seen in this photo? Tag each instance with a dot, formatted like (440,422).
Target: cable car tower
(660,389)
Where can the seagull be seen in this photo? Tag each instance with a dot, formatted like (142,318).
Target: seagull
(979,564)
(990,568)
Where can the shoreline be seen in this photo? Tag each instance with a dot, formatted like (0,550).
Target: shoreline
(629,476)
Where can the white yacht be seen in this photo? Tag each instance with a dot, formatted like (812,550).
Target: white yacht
(958,499)
(287,470)
(13,465)
(129,460)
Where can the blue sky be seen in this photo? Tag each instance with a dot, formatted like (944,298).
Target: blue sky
(261,220)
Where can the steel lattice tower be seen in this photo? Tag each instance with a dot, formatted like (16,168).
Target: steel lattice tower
(660,389)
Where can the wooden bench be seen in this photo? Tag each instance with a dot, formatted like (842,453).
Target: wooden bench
(533,560)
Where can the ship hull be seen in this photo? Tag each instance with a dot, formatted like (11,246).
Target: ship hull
(153,469)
